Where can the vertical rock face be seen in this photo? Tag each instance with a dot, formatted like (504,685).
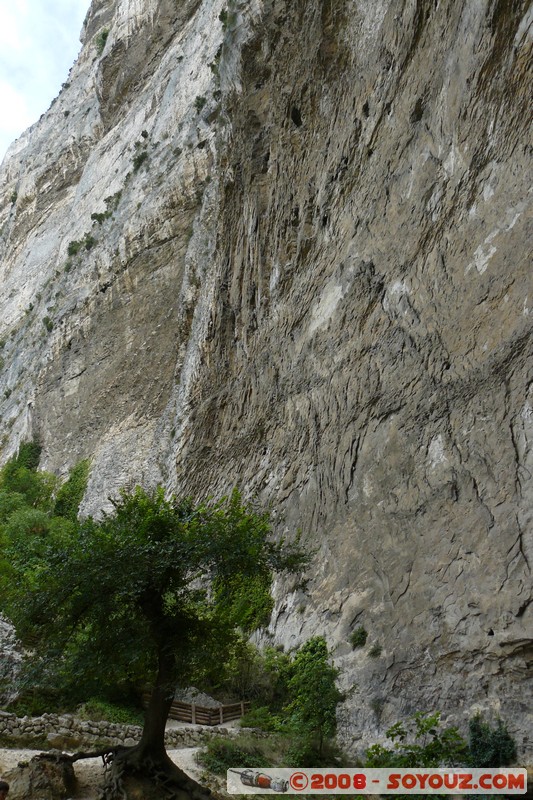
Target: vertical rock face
(310,278)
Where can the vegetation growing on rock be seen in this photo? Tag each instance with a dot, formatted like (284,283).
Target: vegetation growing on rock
(101,40)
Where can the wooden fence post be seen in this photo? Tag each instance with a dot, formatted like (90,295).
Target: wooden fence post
(193,713)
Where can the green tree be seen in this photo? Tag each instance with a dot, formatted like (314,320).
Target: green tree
(315,698)
(146,593)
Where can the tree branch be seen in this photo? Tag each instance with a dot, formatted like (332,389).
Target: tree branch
(106,754)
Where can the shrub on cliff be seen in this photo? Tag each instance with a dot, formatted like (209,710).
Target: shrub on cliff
(421,741)
(70,494)
(358,637)
(490,747)
(101,40)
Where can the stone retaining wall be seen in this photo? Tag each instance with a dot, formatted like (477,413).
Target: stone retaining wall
(66,732)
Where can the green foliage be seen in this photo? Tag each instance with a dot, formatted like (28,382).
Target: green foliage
(35,704)
(18,477)
(97,599)
(375,651)
(87,242)
(48,324)
(10,501)
(139,159)
(100,217)
(490,747)
(222,754)
(420,742)
(358,637)
(278,669)
(13,197)
(111,203)
(261,717)
(28,530)
(100,40)
(92,601)
(246,599)
(305,753)
(249,750)
(74,248)
(25,526)
(70,495)
(314,699)
(214,66)
(239,676)
(227,18)
(99,710)
(247,673)
(199,102)
(28,456)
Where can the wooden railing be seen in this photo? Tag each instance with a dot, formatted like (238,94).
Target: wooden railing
(201,715)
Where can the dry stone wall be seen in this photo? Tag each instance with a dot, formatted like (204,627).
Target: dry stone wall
(66,732)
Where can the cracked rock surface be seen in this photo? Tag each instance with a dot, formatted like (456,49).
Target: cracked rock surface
(311,278)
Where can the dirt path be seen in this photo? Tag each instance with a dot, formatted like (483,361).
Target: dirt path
(90,771)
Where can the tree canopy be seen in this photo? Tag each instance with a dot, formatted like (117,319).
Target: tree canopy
(142,595)
(106,596)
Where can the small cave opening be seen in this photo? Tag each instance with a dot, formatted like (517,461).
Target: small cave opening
(418,111)
(296,116)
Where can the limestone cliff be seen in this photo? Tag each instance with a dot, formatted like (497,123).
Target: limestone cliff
(284,244)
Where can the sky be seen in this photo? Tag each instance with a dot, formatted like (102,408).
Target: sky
(39,42)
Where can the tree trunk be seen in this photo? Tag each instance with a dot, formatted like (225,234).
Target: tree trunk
(155,719)
(147,763)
